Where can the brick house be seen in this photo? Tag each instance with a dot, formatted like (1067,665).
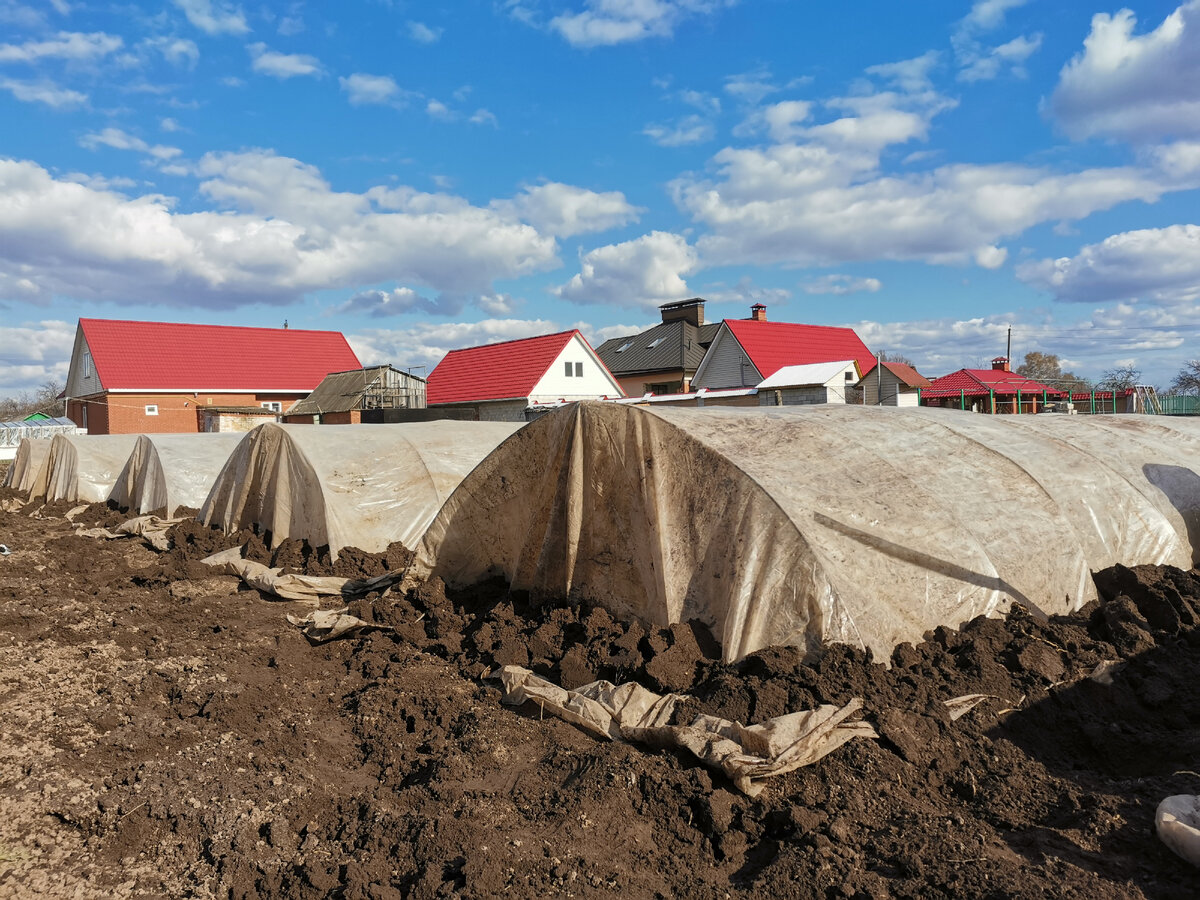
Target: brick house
(152,377)
(506,382)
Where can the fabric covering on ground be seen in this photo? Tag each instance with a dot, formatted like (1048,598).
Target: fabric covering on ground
(82,467)
(166,471)
(362,486)
(630,712)
(799,526)
(27,464)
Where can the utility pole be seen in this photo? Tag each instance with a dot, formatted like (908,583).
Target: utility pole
(1008,352)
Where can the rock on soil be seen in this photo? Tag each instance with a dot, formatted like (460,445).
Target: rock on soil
(166,733)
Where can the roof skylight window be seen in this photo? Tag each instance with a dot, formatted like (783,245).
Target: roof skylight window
(625,346)
(654,343)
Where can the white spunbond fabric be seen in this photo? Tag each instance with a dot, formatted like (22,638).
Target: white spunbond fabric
(27,464)
(361,486)
(1177,821)
(82,467)
(172,470)
(861,525)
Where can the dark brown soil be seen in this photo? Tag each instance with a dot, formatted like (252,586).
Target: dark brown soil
(171,735)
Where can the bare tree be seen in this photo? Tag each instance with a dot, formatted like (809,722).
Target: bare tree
(1044,367)
(896,358)
(1188,379)
(1121,378)
(44,400)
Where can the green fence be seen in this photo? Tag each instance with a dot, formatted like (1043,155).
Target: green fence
(1180,406)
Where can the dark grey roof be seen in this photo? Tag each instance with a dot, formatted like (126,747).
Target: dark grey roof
(663,348)
(342,391)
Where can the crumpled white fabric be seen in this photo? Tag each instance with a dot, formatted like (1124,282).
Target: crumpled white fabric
(1177,821)
(323,625)
(746,754)
(151,528)
(309,588)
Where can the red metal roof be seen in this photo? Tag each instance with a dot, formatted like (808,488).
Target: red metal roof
(773,345)
(976,382)
(501,371)
(169,356)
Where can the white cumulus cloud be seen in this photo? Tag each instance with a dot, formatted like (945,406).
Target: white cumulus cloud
(214,16)
(45,92)
(1155,265)
(564,210)
(840,285)
(607,22)
(64,45)
(363,90)
(645,272)
(1139,87)
(691,129)
(424,34)
(278,231)
(282,65)
(120,140)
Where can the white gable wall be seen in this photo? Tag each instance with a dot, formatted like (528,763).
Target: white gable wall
(725,365)
(595,382)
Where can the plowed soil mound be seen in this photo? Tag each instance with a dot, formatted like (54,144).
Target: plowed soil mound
(167,733)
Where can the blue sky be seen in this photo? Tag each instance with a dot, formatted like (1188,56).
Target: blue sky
(425,176)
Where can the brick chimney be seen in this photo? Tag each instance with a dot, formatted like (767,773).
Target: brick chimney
(688,310)
(758,312)
(1000,363)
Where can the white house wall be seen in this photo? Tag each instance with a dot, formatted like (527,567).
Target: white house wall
(595,383)
(722,365)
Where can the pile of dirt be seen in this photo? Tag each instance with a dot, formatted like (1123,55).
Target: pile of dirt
(1086,725)
(171,735)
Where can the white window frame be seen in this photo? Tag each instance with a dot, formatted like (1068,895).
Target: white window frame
(152,409)
(274,406)
(578,370)
(87,364)
(570,370)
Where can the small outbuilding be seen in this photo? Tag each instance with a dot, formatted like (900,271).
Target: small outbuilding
(342,397)
(892,384)
(812,383)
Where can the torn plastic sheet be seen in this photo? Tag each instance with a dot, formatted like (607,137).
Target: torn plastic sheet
(960,706)
(309,588)
(1177,821)
(151,528)
(746,754)
(324,625)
